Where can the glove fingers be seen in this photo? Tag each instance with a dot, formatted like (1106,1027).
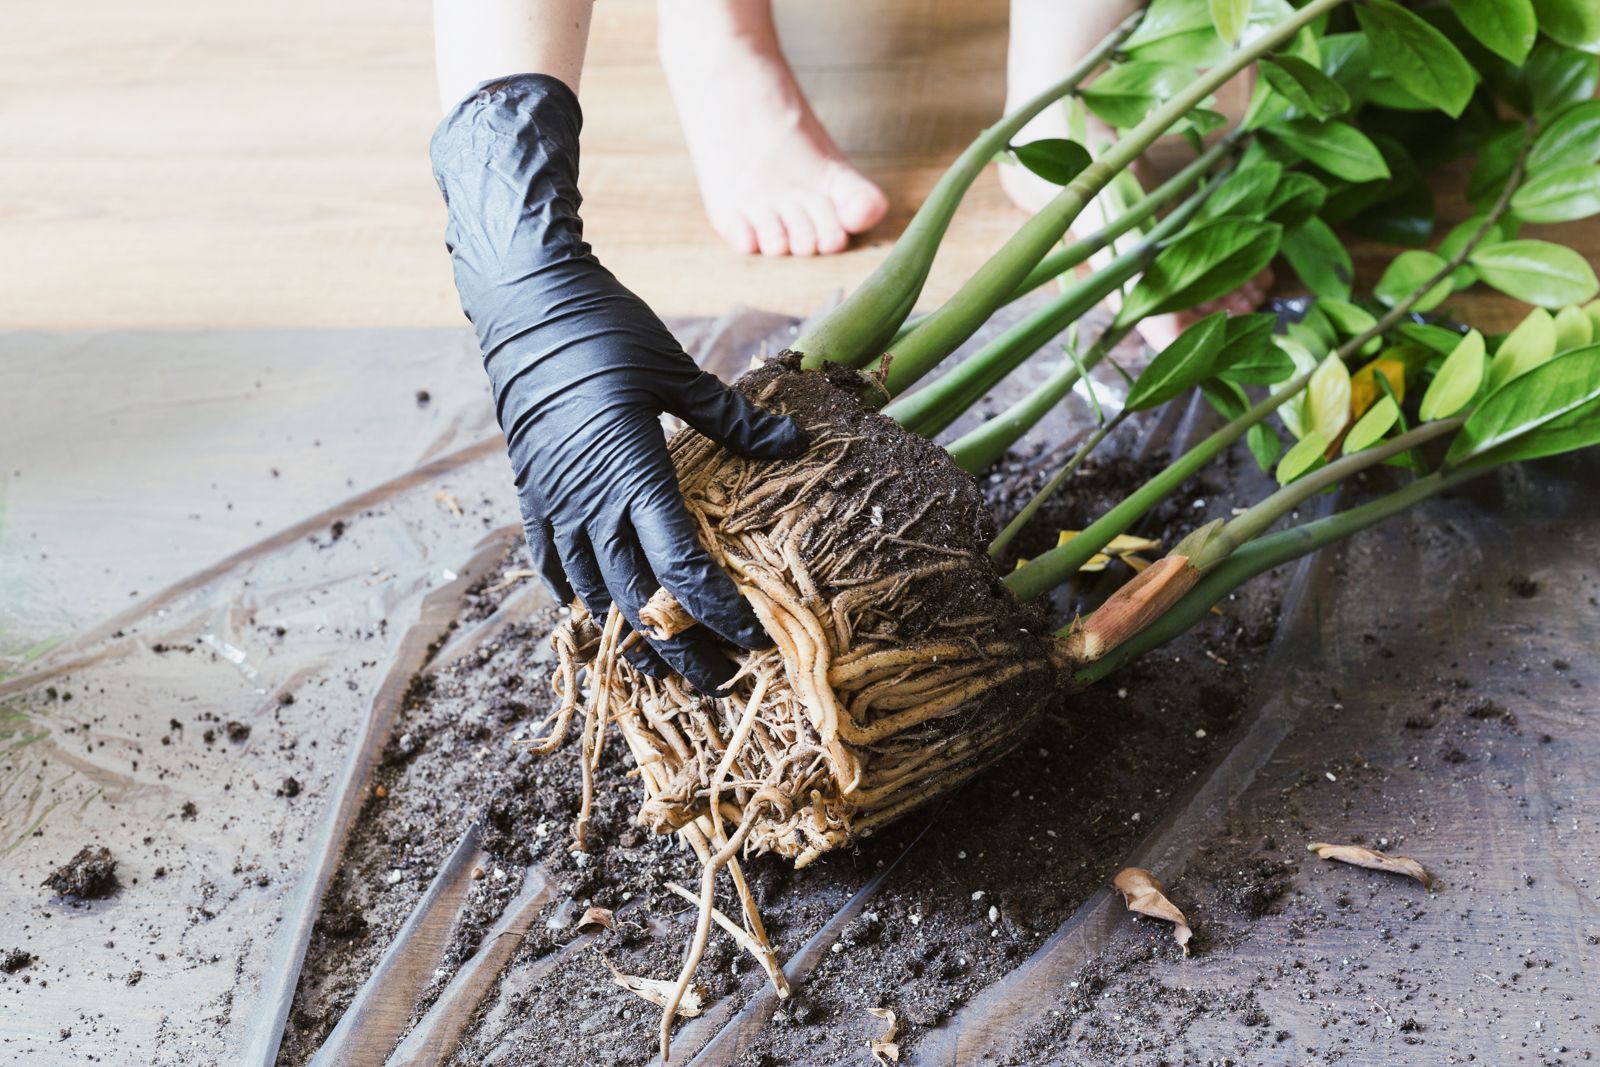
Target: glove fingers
(671,543)
(546,560)
(577,556)
(629,578)
(728,417)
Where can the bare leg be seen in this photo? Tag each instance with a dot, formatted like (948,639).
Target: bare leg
(475,40)
(1047,37)
(771,178)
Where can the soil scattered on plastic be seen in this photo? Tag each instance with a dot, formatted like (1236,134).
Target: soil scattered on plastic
(89,875)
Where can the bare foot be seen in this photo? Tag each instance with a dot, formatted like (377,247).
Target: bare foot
(771,178)
(1046,36)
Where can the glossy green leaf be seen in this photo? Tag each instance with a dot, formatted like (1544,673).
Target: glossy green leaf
(1370,428)
(1229,17)
(1297,198)
(1592,310)
(1457,380)
(1408,273)
(1497,158)
(1574,329)
(1184,363)
(1435,338)
(1456,240)
(1536,272)
(1246,192)
(1201,265)
(1532,343)
(1304,86)
(1419,58)
(1264,444)
(1559,397)
(1337,147)
(1570,139)
(1319,259)
(1126,92)
(1351,321)
(1558,77)
(1248,354)
(1166,19)
(1575,23)
(1324,407)
(1559,195)
(1507,28)
(1347,59)
(1305,457)
(1055,159)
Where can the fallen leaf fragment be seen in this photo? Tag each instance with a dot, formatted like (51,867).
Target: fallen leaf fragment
(1143,894)
(449,501)
(511,579)
(1377,861)
(658,991)
(597,917)
(886,1050)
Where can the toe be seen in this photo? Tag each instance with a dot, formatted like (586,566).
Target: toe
(802,234)
(770,234)
(737,231)
(860,204)
(831,235)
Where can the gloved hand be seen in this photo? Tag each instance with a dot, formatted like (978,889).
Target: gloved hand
(581,370)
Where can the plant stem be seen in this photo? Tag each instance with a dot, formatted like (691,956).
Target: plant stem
(1015,526)
(1262,555)
(1260,517)
(996,280)
(861,327)
(1040,575)
(982,446)
(929,410)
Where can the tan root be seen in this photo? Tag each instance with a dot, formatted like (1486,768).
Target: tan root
(877,696)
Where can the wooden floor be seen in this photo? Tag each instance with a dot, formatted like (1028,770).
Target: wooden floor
(178,163)
(182,164)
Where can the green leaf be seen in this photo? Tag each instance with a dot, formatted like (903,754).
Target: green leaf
(1055,159)
(1536,272)
(1592,310)
(1319,259)
(1245,192)
(1505,27)
(1574,329)
(1370,428)
(1575,23)
(1303,458)
(1265,445)
(1324,408)
(1337,147)
(1457,381)
(1306,87)
(1419,58)
(1185,362)
(1165,19)
(1436,338)
(1408,273)
(1248,355)
(1559,397)
(1559,195)
(1347,59)
(1532,343)
(1297,198)
(1497,158)
(1229,17)
(1201,265)
(1125,93)
(1454,241)
(1351,321)
(1570,139)
(1558,77)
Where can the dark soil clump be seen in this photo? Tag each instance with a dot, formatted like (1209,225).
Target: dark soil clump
(90,875)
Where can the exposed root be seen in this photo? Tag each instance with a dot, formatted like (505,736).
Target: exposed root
(900,666)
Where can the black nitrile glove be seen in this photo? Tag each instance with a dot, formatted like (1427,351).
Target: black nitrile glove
(581,370)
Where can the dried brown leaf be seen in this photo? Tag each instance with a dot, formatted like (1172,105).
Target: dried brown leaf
(597,917)
(659,991)
(886,1050)
(1143,894)
(449,501)
(1373,859)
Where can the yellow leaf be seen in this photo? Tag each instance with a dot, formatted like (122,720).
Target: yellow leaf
(1365,390)
(1122,544)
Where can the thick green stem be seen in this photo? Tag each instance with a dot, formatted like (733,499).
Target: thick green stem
(1260,517)
(1262,555)
(1064,259)
(1046,572)
(996,280)
(929,410)
(860,328)
(982,446)
(1015,526)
